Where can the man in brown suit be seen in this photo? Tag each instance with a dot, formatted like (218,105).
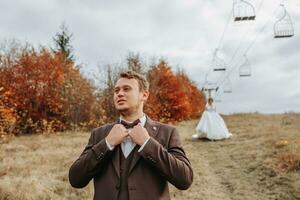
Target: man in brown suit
(132,161)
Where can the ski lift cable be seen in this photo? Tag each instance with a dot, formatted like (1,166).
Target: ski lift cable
(220,41)
(244,36)
(222,37)
(246,51)
(262,29)
(252,43)
(240,43)
(225,28)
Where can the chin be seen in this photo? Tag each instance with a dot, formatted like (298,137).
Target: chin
(122,109)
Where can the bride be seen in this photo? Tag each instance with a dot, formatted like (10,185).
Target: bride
(211,124)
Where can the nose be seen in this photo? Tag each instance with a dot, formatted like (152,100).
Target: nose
(120,93)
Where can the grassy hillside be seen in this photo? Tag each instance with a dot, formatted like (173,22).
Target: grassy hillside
(260,161)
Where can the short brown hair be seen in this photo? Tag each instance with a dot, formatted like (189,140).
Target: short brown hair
(141,79)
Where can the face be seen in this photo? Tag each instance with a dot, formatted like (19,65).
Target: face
(128,97)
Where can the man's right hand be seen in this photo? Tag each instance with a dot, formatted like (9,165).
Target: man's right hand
(116,135)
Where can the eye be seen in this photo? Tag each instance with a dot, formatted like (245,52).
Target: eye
(117,90)
(126,89)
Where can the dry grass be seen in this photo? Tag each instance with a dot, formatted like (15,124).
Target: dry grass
(254,164)
(36,167)
(289,162)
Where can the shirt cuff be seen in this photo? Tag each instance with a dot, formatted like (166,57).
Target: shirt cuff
(142,147)
(110,147)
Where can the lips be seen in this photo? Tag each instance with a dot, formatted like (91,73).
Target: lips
(121,101)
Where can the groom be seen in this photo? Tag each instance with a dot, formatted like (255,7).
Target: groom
(134,157)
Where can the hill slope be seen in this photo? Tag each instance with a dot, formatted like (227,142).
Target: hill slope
(247,166)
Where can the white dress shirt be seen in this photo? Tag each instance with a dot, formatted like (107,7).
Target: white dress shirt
(128,145)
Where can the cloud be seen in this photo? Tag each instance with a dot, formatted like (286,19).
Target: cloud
(184,32)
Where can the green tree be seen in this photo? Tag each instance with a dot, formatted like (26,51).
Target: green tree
(63,45)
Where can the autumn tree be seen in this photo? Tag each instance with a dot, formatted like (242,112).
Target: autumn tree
(173,97)
(104,94)
(77,91)
(35,81)
(77,94)
(167,101)
(41,89)
(195,96)
(134,63)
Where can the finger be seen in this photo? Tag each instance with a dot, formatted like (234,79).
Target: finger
(126,132)
(138,125)
(130,133)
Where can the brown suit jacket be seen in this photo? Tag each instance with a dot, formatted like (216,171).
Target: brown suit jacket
(162,160)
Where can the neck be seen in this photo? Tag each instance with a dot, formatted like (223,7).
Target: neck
(131,116)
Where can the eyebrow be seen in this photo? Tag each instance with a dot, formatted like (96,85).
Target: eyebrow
(117,87)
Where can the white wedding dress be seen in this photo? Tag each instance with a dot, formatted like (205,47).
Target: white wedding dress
(211,125)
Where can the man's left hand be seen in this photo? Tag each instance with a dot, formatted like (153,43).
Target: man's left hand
(139,134)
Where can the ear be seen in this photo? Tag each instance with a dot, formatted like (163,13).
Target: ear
(145,95)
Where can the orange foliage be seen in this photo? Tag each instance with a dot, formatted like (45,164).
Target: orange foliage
(7,115)
(46,90)
(77,95)
(172,97)
(35,82)
(196,98)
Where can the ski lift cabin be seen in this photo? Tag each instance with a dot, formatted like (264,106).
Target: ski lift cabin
(243,10)
(284,27)
(227,87)
(218,63)
(245,68)
(209,87)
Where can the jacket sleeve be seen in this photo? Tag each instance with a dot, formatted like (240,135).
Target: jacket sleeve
(90,161)
(171,162)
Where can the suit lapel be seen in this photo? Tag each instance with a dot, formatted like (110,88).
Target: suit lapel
(116,154)
(151,127)
(152,131)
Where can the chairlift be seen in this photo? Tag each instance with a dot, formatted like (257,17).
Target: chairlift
(245,68)
(284,26)
(227,88)
(209,86)
(243,10)
(218,63)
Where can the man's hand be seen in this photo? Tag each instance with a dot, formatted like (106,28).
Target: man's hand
(139,134)
(116,135)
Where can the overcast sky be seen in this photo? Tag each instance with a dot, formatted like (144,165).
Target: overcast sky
(185,32)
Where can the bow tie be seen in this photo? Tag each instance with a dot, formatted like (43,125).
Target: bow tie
(130,125)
